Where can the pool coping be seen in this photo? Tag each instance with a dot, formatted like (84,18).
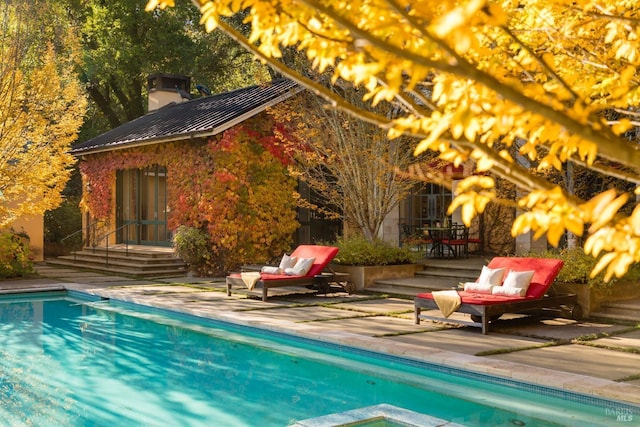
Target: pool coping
(377,412)
(566,381)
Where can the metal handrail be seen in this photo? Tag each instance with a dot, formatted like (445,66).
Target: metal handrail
(91,224)
(106,236)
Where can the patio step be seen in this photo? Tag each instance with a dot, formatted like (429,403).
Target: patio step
(620,310)
(132,262)
(437,275)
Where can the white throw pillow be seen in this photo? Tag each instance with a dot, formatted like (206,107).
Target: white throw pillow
(302,267)
(518,279)
(287,262)
(477,288)
(491,276)
(508,291)
(271,270)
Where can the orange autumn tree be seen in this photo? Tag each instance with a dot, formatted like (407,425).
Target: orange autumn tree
(556,81)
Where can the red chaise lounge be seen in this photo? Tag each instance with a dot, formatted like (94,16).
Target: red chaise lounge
(484,307)
(322,256)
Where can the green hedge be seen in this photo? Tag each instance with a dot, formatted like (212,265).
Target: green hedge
(360,251)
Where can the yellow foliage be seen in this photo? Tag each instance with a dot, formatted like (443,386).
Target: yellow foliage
(493,81)
(41,109)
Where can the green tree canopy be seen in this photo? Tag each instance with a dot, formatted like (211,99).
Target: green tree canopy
(122,45)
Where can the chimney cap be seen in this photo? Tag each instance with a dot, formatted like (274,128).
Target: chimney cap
(167,81)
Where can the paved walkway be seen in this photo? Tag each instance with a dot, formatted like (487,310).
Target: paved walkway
(584,356)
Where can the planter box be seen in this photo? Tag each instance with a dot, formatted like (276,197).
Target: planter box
(583,292)
(365,276)
(591,298)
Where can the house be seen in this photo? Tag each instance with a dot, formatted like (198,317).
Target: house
(127,199)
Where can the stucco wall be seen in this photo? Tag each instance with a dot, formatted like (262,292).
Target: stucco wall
(33,225)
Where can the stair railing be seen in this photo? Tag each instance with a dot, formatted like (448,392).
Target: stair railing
(88,228)
(106,237)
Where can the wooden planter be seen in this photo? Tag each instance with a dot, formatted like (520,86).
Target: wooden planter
(365,276)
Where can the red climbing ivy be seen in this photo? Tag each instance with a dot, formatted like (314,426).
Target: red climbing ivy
(235,186)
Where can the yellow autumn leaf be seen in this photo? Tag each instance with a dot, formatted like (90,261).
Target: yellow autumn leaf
(468,212)
(595,243)
(635,220)
(605,213)
(521,225)
(597,204)
(574,224)
(555,233)
(603,262)
(482,201)
(484,164)
(455,18)
(621,126)
(621,264)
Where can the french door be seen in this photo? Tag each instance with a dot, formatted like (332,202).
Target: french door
(141,206)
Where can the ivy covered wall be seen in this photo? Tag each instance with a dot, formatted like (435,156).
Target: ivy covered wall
(235,186)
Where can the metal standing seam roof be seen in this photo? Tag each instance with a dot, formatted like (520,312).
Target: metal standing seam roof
(198,117)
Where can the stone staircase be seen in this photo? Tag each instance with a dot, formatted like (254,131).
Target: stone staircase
(628,310)
(131,261)
(438,274)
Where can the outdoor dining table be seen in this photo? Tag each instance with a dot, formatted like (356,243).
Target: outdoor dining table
(438,237)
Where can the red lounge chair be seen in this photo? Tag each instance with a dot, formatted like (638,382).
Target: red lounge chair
(322,254)
(486,307)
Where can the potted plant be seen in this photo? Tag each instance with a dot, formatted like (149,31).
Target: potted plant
(368,261)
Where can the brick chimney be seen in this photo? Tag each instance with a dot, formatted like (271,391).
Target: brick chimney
(167,88)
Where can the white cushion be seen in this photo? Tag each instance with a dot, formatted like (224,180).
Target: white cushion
(287,262)
(271,270)
(518,279)
(302,267)
(508,291)
(477,288)
(491,276)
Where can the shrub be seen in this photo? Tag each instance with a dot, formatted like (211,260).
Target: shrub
(360,251)
(193,246)
(15,256)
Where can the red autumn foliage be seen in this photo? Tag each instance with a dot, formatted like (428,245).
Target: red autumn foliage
(235,186)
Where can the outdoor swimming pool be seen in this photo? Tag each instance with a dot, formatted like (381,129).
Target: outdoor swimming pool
(66,360)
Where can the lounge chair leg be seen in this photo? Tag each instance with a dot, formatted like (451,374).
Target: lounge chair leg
(264,292)
(417,315)
(228,289)
(485,324)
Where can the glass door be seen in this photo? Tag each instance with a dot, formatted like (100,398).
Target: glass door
(426,205)
(141,199)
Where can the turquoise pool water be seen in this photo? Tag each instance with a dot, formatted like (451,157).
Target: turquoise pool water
(67,361)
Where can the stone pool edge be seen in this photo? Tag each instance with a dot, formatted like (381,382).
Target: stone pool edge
(570,382)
